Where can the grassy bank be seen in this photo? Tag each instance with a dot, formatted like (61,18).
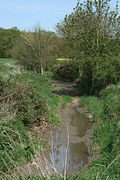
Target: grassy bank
(26,100)
(106,144)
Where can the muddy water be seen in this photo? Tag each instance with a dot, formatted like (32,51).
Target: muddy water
(75,131)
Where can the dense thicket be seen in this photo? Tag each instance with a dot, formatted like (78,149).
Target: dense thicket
(7,40)
(91,37)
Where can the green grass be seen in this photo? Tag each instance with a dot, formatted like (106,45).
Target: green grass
(106,141)
(65,101)
(94,105)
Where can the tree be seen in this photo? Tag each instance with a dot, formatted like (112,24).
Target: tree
(33,49)
(91,34)
(90,29)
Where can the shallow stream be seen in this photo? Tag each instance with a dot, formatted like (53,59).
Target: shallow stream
(71,141)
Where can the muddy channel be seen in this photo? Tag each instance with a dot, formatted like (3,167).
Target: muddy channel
(71,148)
(69,142)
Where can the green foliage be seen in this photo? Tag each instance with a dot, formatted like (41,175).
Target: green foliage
(97,73)
(65,100)
(90,29)
(28,104)
(84,83)
(94,105)
(105,71)
(90,36)
(32,88)
(25,101)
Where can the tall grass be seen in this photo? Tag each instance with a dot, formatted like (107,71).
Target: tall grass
(106,144)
